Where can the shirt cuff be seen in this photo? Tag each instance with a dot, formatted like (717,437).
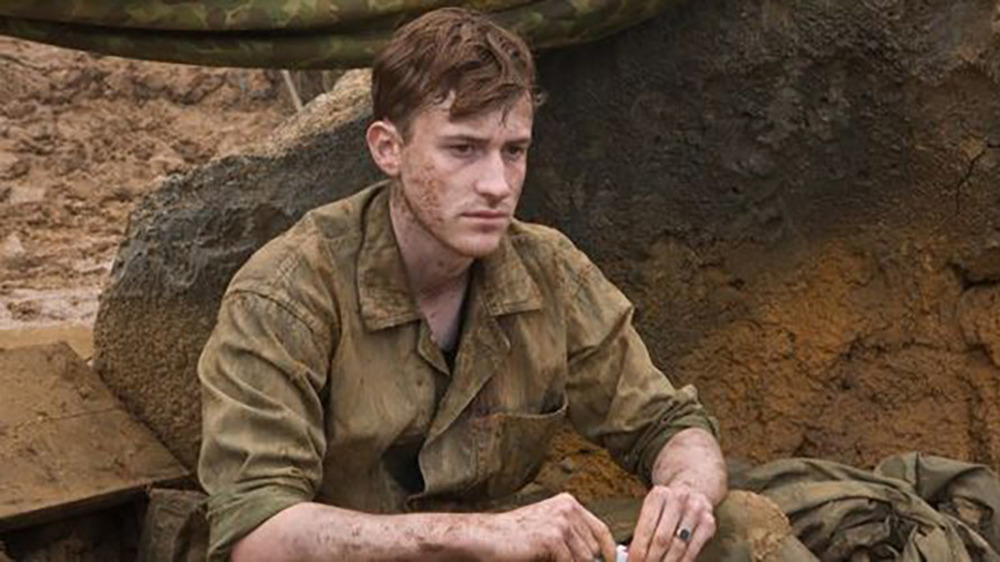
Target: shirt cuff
(682,411)
(234,515)
(647,457)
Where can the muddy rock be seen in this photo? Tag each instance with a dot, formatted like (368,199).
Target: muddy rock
(186,240)
(797,197)
(11,248)
(979,316)
(12,167)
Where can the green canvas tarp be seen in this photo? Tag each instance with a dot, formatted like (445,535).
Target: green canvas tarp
(290,33)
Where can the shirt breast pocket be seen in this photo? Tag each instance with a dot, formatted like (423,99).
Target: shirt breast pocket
(512,446)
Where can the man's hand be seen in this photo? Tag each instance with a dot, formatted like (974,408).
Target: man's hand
(676,520)
(674,525)
(558,529)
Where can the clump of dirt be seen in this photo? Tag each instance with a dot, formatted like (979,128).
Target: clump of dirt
(585,470)
(81,138)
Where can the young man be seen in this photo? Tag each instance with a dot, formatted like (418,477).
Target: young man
(414,346)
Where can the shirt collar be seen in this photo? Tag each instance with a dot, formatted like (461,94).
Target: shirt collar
(384,294)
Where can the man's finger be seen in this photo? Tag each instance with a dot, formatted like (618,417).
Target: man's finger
(664,540)
(649,518)
(703,532)
(601,534)
(562,553)
(579,545)
(681,543)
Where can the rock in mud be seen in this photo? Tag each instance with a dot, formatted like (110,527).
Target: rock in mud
(186,240)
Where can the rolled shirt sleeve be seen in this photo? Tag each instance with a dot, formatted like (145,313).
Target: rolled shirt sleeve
(263,440)
(617,397)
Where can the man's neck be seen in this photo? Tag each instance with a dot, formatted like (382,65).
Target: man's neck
(433,269)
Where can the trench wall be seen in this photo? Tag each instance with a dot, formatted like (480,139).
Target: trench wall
(801,198)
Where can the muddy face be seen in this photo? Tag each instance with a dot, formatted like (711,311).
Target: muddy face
(462,178)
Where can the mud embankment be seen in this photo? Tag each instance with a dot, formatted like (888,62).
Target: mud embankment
(82,138)
(800,198)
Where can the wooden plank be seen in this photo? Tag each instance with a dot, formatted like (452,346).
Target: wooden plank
(66,443)
(78,336)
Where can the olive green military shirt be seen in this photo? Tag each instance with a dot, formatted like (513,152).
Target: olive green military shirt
(321,381)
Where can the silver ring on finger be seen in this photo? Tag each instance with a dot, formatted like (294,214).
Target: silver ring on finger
(684,534)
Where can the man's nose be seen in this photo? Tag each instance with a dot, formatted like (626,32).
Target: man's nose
(493,182)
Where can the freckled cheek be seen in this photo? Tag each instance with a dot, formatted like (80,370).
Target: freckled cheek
(429,194)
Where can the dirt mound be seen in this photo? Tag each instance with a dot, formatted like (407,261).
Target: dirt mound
(81,138)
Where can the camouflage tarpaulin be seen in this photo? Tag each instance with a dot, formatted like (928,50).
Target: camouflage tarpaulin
(290,33)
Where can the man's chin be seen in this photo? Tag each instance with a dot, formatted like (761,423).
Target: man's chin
(477,248)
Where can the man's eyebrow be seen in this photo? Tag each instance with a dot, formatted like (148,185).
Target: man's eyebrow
(465,137)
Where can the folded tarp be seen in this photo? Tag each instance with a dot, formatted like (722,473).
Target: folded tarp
(911,508)
(291,33)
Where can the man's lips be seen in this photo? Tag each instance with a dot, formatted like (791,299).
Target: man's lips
(486,215)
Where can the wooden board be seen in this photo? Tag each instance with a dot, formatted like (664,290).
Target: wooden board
(66,443)
(79,337)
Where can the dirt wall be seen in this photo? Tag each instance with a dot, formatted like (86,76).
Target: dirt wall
(800,197)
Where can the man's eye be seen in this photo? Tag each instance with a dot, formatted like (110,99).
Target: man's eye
(515,152)
(462,149)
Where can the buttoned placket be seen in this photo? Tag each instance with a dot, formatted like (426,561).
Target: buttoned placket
(482,349)
(499,285)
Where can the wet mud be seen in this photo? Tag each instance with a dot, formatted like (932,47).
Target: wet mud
(82,138)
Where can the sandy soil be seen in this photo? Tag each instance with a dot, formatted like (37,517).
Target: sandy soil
(82,137)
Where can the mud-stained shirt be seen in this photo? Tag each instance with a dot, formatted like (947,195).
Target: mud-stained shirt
(321,380)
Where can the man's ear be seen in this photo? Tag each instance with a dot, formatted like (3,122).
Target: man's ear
(386,145)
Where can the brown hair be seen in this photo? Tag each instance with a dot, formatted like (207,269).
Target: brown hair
(451,50)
